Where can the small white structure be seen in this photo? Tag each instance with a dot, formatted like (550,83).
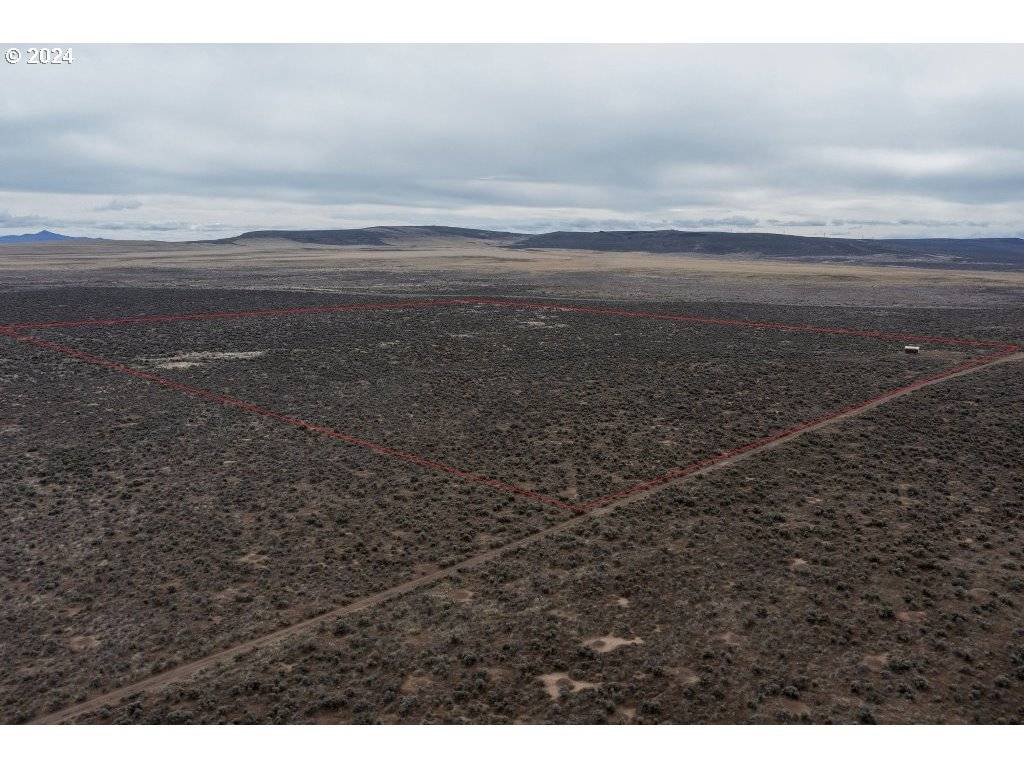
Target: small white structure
(912,349)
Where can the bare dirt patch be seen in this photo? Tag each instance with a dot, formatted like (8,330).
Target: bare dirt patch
(730,639)
(198,359)
(912,617)
(684,675)
(609,643)
(83,642)
(876,662)
(558,683)
(788,707)
(415,683)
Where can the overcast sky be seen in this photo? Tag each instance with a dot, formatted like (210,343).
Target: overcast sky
(193,142)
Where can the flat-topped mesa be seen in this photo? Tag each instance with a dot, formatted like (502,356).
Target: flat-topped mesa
(991,253)
(397,236)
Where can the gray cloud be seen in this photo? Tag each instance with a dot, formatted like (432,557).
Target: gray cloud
(152,226)
(10,221)
(879,140)
(119,204)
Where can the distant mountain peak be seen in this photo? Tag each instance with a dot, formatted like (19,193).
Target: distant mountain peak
(42,236)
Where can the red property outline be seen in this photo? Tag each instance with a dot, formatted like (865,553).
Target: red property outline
(15,333)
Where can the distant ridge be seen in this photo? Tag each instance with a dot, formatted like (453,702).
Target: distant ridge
(379,236)
(713,243)
(42,236)
(939,253)
(991,253)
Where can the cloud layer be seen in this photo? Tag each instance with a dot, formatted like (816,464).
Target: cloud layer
(191,141)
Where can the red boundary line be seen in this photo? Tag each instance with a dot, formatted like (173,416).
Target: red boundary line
(13,332)
(479,300)
(245,405)
(675,474)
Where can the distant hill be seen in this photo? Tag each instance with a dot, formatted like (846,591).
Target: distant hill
(984,253)
(42,236)
(1008,251)
(713,243)
(378,236)
(947,253)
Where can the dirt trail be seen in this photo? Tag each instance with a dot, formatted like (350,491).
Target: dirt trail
(589,512)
